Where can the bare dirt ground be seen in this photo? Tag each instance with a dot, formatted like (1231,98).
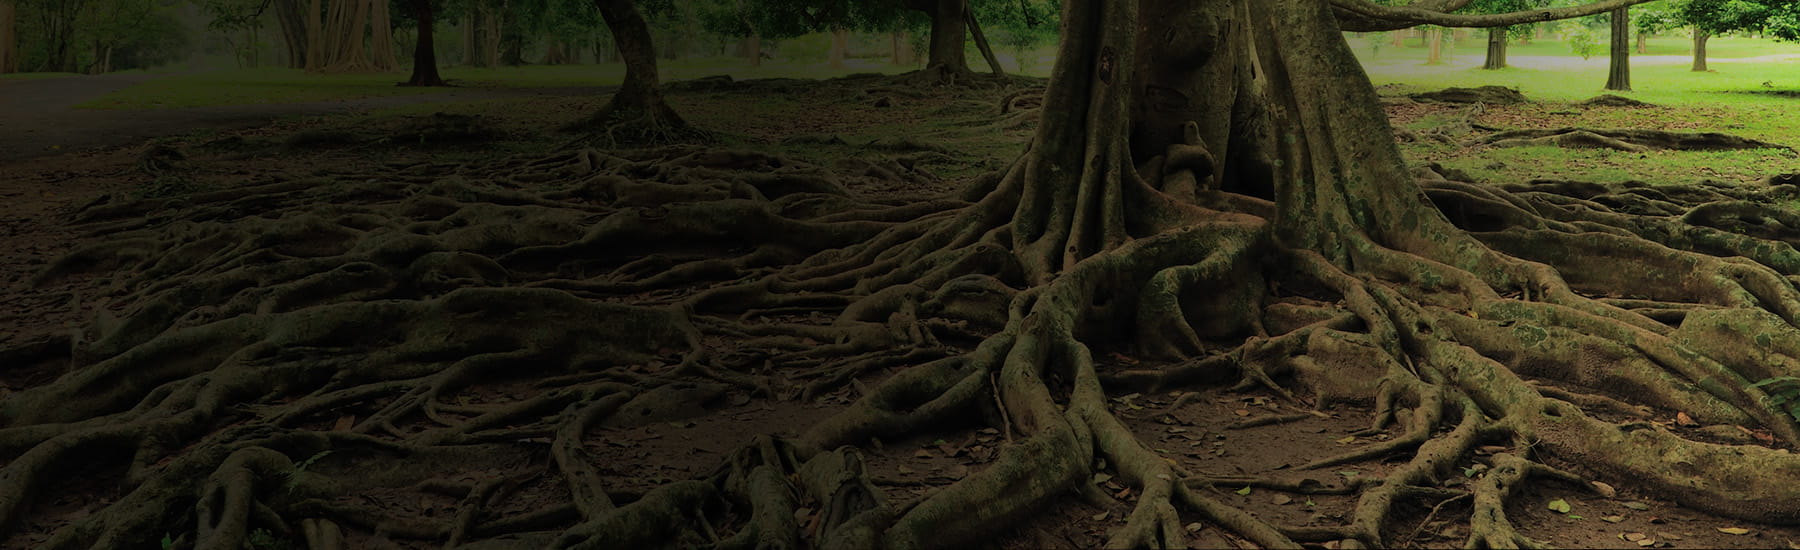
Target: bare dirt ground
(1205,429)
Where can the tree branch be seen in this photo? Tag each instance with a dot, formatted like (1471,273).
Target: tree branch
(1408,16)
(1354,22)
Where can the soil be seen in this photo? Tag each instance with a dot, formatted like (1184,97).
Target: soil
(1193,427)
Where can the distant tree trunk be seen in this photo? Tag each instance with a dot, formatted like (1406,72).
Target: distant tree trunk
(292,20)
(514,53)
(59,35)
(1618,77)
(560,52)
(1434,45)
(946,56)
(9,37)
(1700,38)
(425,70)
(981,42)
(840,46)
(1496,50)
(753,47)
(1643,46)
(355,36)
(481,32)
(903,54)
(381,38)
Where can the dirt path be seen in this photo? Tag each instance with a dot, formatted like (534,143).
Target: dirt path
(39,118)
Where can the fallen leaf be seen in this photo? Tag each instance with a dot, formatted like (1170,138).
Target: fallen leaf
(1612,519)
(1194,527)
(1634,537)
(1560,505)
(1347,440)
(1100,516)
(1241,412)
(1244,491)
(1605,490)
(1281,500)
(1639,506)
(1734,530)
(1682,419)
(1646,542)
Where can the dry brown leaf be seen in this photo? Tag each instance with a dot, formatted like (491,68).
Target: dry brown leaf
(1734,530)
(1605,490)
(1682,419)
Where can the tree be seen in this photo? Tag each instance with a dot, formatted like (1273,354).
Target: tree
(1618,74)
(637,112)
(1499,36)
(425,69)
(9,37)
(1780,18)
(1023,26)
(1212,185)
(353,36)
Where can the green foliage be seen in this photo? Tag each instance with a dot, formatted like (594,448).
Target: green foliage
(1784,394)
(263,539)
(1583,40)
(1778,18)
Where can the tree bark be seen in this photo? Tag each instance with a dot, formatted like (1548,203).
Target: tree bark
(1434,45)
(1643,44)
(753,47)
(9,37)
(948,29)
(981,43)
(425,69)
(902,49)
(1496,50)
(1618,75)
(840,46)
(1400,37)
(1700,38)
(292,20)
(638,104)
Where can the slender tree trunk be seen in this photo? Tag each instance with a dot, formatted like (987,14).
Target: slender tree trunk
(1496,50)
(381,38)
(1643,44)
(9,37)
(753,46)
(840,46)
(1700,38)
(948,29)
(1618,76)
(425,69)
(1434,45)
(1400,37)
(903,54)
(981,43)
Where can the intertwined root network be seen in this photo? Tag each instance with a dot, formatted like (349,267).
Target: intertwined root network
(264,354)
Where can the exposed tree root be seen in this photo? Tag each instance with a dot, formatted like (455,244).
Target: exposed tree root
(267,355)
(1630,140)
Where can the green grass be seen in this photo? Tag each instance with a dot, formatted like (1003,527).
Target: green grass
(1742,95)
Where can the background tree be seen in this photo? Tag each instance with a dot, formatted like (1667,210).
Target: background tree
(1499,37)
(423,15)
(1022,26)
(9,37)
(352,36)
(637,112)
(1618,74)
(1779,18)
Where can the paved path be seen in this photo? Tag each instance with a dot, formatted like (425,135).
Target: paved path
(39,118)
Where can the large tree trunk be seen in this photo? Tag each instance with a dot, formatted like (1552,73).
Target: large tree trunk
(9,37)
(355,37)
(948,30)
(636,113)
(1700,38)
(1618,74)
(425,69)
(291,18)
(1496,50)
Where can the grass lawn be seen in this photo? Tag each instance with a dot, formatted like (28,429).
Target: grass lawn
(1753,91)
